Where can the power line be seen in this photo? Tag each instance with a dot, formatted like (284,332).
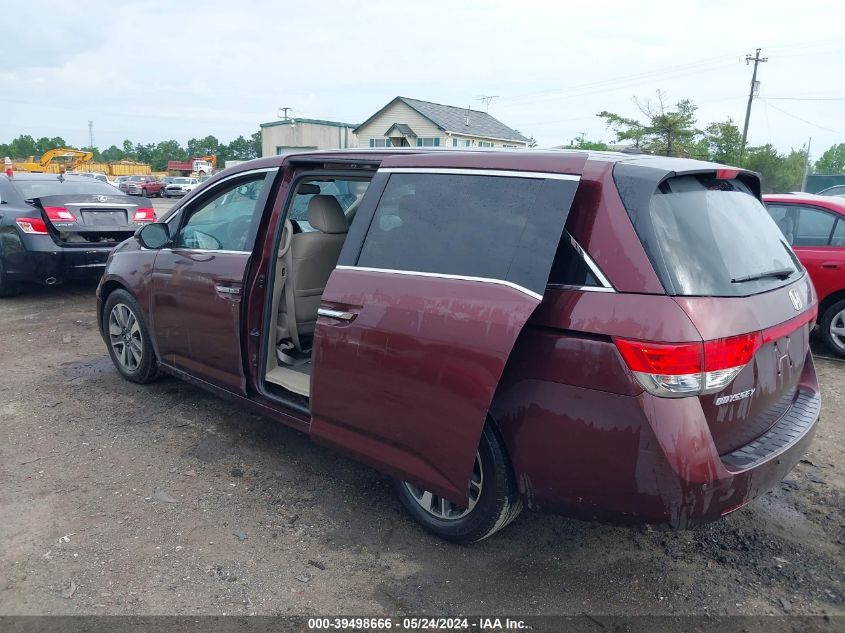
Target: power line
(794,116)
(807,98)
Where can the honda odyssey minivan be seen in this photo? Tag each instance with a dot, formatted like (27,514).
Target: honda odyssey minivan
(614,337)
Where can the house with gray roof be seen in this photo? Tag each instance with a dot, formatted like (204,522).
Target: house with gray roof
(408,122)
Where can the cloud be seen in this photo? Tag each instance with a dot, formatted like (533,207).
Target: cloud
(153,70)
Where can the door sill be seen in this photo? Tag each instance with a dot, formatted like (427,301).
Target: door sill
(296,380)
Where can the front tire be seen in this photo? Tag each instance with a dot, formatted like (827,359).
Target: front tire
(832,326)
(128,338)
(494,498)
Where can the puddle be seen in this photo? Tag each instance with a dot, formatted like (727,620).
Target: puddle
(87,368)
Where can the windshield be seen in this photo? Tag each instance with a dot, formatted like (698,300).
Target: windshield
(30,189)
(710,237)
(180,181)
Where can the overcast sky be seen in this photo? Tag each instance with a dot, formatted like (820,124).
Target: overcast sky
(150,71)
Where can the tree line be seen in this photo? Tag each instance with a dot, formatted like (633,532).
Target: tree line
(154,154)
(673,131)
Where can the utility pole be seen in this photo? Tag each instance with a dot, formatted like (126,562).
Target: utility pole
(806,166)
(90,135)
(486,99)
(285,112)
(756,59)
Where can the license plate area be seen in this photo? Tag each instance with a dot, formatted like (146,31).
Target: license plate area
(104,217)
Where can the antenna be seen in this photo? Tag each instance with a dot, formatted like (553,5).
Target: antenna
(90,135)
(467,122)
(486,99)
(284,114)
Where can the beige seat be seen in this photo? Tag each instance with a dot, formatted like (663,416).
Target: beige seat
(310,260)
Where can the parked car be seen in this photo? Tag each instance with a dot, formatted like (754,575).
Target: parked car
(620,337)
(166,180)
(835,190)
(179,186)
(54,227)
(142,186)
(815,228)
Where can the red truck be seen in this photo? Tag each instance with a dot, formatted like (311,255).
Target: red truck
(203,165)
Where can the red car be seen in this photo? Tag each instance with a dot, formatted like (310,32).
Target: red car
(815,228)
(610,336)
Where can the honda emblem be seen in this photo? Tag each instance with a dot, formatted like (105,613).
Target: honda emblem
(796,299)
(102,198)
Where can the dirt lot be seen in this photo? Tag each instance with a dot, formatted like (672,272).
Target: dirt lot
(122,499)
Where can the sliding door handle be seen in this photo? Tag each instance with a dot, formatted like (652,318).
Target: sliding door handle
(336,314)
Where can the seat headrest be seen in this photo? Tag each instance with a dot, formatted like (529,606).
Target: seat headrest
(325,215)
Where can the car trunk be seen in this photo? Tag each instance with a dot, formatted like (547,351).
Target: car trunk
(765,389)
(90,219)
(726,264)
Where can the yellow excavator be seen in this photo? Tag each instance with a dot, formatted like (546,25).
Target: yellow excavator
(68,160)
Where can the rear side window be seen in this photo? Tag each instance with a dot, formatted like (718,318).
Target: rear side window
(494,227)
(803,226)
(714,238)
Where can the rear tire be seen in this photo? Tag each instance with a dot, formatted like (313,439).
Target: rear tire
(497,502)
(7,288)
(128,338)
(832,326)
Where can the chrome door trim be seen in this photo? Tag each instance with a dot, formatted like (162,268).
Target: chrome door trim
(336,314)
(460,171)
(416,273)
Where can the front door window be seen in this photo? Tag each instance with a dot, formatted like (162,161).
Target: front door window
(227,221)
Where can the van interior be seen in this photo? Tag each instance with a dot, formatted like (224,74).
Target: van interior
(318,218)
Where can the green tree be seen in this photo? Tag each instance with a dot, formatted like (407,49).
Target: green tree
(255,139)
(112,153)
(203,146)
(832,161)
(129,150)
(666,131)
(241,149)
(721,142)
(779,173)
(165,151)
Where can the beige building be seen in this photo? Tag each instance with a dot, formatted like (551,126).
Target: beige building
(296,135)
(413,123)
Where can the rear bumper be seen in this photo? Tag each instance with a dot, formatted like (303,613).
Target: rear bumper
(643,459)
(43,261)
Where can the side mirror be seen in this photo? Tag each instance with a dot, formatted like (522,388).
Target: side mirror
(154,236)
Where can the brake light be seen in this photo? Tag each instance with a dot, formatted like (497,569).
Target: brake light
(59,214)
(144,214)
(32,226)
(726,174)
(674,370)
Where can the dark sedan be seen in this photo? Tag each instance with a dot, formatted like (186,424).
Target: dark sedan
(55,227)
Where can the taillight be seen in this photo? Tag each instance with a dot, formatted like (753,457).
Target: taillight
(33,226)
(59,214)
(674,370)
(144,214)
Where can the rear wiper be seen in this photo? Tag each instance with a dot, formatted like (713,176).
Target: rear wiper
(781,273)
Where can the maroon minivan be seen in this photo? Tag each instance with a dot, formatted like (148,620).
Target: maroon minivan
(619,337)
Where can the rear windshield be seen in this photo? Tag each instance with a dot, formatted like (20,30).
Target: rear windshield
(714,238)
(31,189)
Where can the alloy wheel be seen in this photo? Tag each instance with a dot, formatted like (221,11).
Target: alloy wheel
(125,337)
(837,330)
(439,507)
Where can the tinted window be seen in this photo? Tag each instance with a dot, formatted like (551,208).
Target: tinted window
(38,188)
(713,237)
(569,267)
(814,227)
(837,190)
(225,221)
(503,228)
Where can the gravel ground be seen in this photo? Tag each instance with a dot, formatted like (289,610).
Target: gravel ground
(124,499)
